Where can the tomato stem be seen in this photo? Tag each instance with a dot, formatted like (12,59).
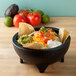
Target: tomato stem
(30,10)
(32,13)
(24,10)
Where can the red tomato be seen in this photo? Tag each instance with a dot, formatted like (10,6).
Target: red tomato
(17,18)
(34,18)
(23,12)
(40,35)
(45,39)
(50,30)
(47,34)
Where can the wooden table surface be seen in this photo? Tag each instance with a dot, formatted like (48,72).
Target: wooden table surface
(9,60)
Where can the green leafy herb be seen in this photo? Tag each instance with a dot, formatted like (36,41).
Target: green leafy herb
(45,35)
(43,29)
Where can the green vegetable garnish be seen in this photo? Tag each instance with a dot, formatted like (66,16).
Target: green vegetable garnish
(24,39)
(43,29)
(55,34)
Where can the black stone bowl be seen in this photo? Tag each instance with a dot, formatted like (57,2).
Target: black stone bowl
(42,57)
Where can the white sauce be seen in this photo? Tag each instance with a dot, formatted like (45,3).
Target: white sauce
(53,44)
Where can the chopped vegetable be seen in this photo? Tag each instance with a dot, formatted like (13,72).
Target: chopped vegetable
(44,30)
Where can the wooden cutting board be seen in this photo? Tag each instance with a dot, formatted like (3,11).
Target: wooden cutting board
(9,60)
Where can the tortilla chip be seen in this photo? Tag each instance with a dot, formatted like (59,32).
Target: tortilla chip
(25,28)
(66,34)
(31,34)
(30,27)
(63,34)
(33,45)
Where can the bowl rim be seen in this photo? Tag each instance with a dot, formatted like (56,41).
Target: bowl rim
(20,46)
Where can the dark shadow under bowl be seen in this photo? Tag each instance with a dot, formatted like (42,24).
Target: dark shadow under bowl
(42,57)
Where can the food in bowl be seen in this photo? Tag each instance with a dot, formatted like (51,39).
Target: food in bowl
(42,39)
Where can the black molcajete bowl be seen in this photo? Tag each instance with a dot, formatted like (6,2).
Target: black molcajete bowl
(43,57)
